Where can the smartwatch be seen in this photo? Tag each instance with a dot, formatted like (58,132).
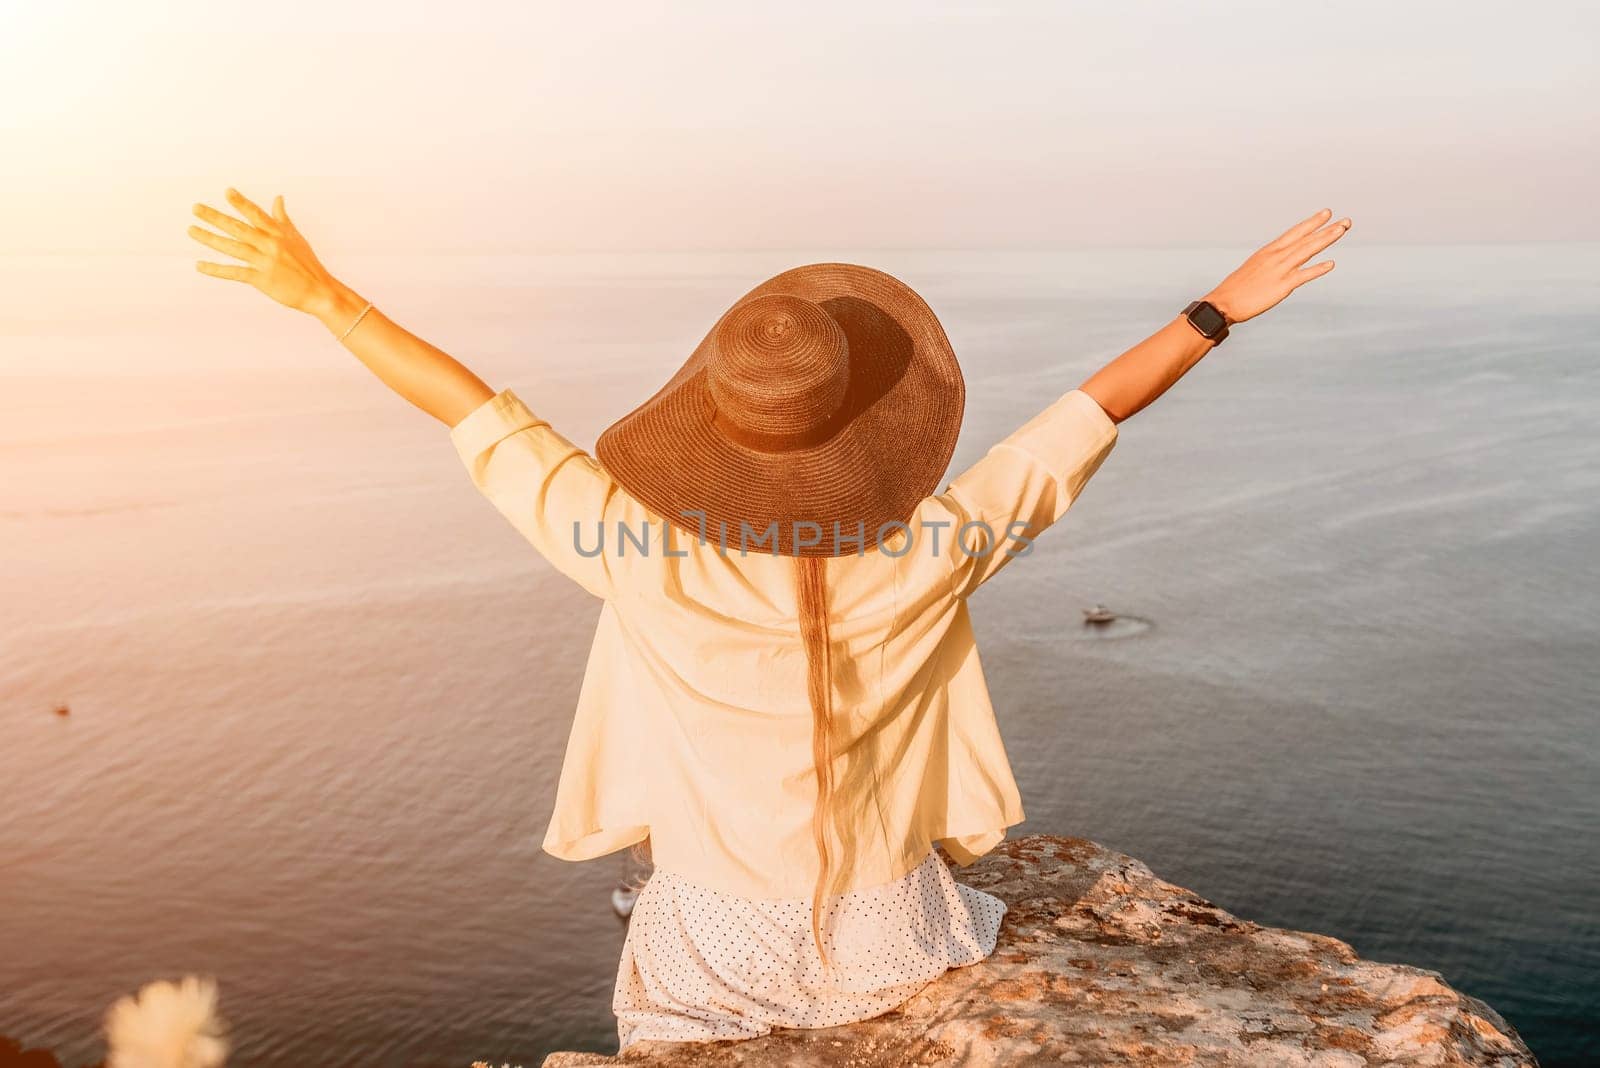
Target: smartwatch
(1204,317)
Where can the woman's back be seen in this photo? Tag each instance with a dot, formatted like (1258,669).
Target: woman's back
(694,726)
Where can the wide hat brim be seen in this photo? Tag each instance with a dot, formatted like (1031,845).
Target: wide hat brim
(897,430)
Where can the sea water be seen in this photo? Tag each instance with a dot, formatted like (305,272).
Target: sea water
(318,691)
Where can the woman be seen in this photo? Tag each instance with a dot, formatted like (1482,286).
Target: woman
(783,703)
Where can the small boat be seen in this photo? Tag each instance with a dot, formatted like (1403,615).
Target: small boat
(1098,614)
(623,897)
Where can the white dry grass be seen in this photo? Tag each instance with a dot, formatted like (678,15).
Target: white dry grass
(173,1025)
(167,1025)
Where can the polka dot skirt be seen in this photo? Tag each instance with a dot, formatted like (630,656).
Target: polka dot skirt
(700,964)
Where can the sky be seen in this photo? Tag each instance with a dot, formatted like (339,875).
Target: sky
(548,127)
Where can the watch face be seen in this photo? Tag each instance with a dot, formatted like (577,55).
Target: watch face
(1208,319)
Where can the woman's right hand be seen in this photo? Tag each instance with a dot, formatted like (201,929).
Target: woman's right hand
(277,258)
(1274,271)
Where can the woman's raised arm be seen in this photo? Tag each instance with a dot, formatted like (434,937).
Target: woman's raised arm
(277,260)
(1140,375)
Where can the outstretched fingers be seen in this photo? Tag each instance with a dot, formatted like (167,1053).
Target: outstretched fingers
(238,249)
(230,271)
(1302,275)
(1300,229)
(227,223)
(1315,242)
(251,211)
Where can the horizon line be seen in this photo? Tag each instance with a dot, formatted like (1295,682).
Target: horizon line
(713,250)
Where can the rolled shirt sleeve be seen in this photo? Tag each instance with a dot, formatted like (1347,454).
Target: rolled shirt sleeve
(554,493)
(1024,484)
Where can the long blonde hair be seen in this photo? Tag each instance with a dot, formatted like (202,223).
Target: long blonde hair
(811,587)
(811,582)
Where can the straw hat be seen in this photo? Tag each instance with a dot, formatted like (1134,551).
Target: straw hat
(826,395)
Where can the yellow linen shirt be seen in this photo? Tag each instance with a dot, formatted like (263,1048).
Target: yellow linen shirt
(693,725)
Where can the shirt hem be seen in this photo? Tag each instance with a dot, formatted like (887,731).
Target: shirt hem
(596,843)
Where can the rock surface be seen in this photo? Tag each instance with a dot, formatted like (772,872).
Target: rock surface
(1102,963)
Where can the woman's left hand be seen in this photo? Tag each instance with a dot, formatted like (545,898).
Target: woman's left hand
(1275,270)
(277,258)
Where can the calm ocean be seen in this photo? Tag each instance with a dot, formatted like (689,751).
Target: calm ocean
(319,690)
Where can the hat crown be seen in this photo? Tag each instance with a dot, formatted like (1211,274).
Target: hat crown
(778,370)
